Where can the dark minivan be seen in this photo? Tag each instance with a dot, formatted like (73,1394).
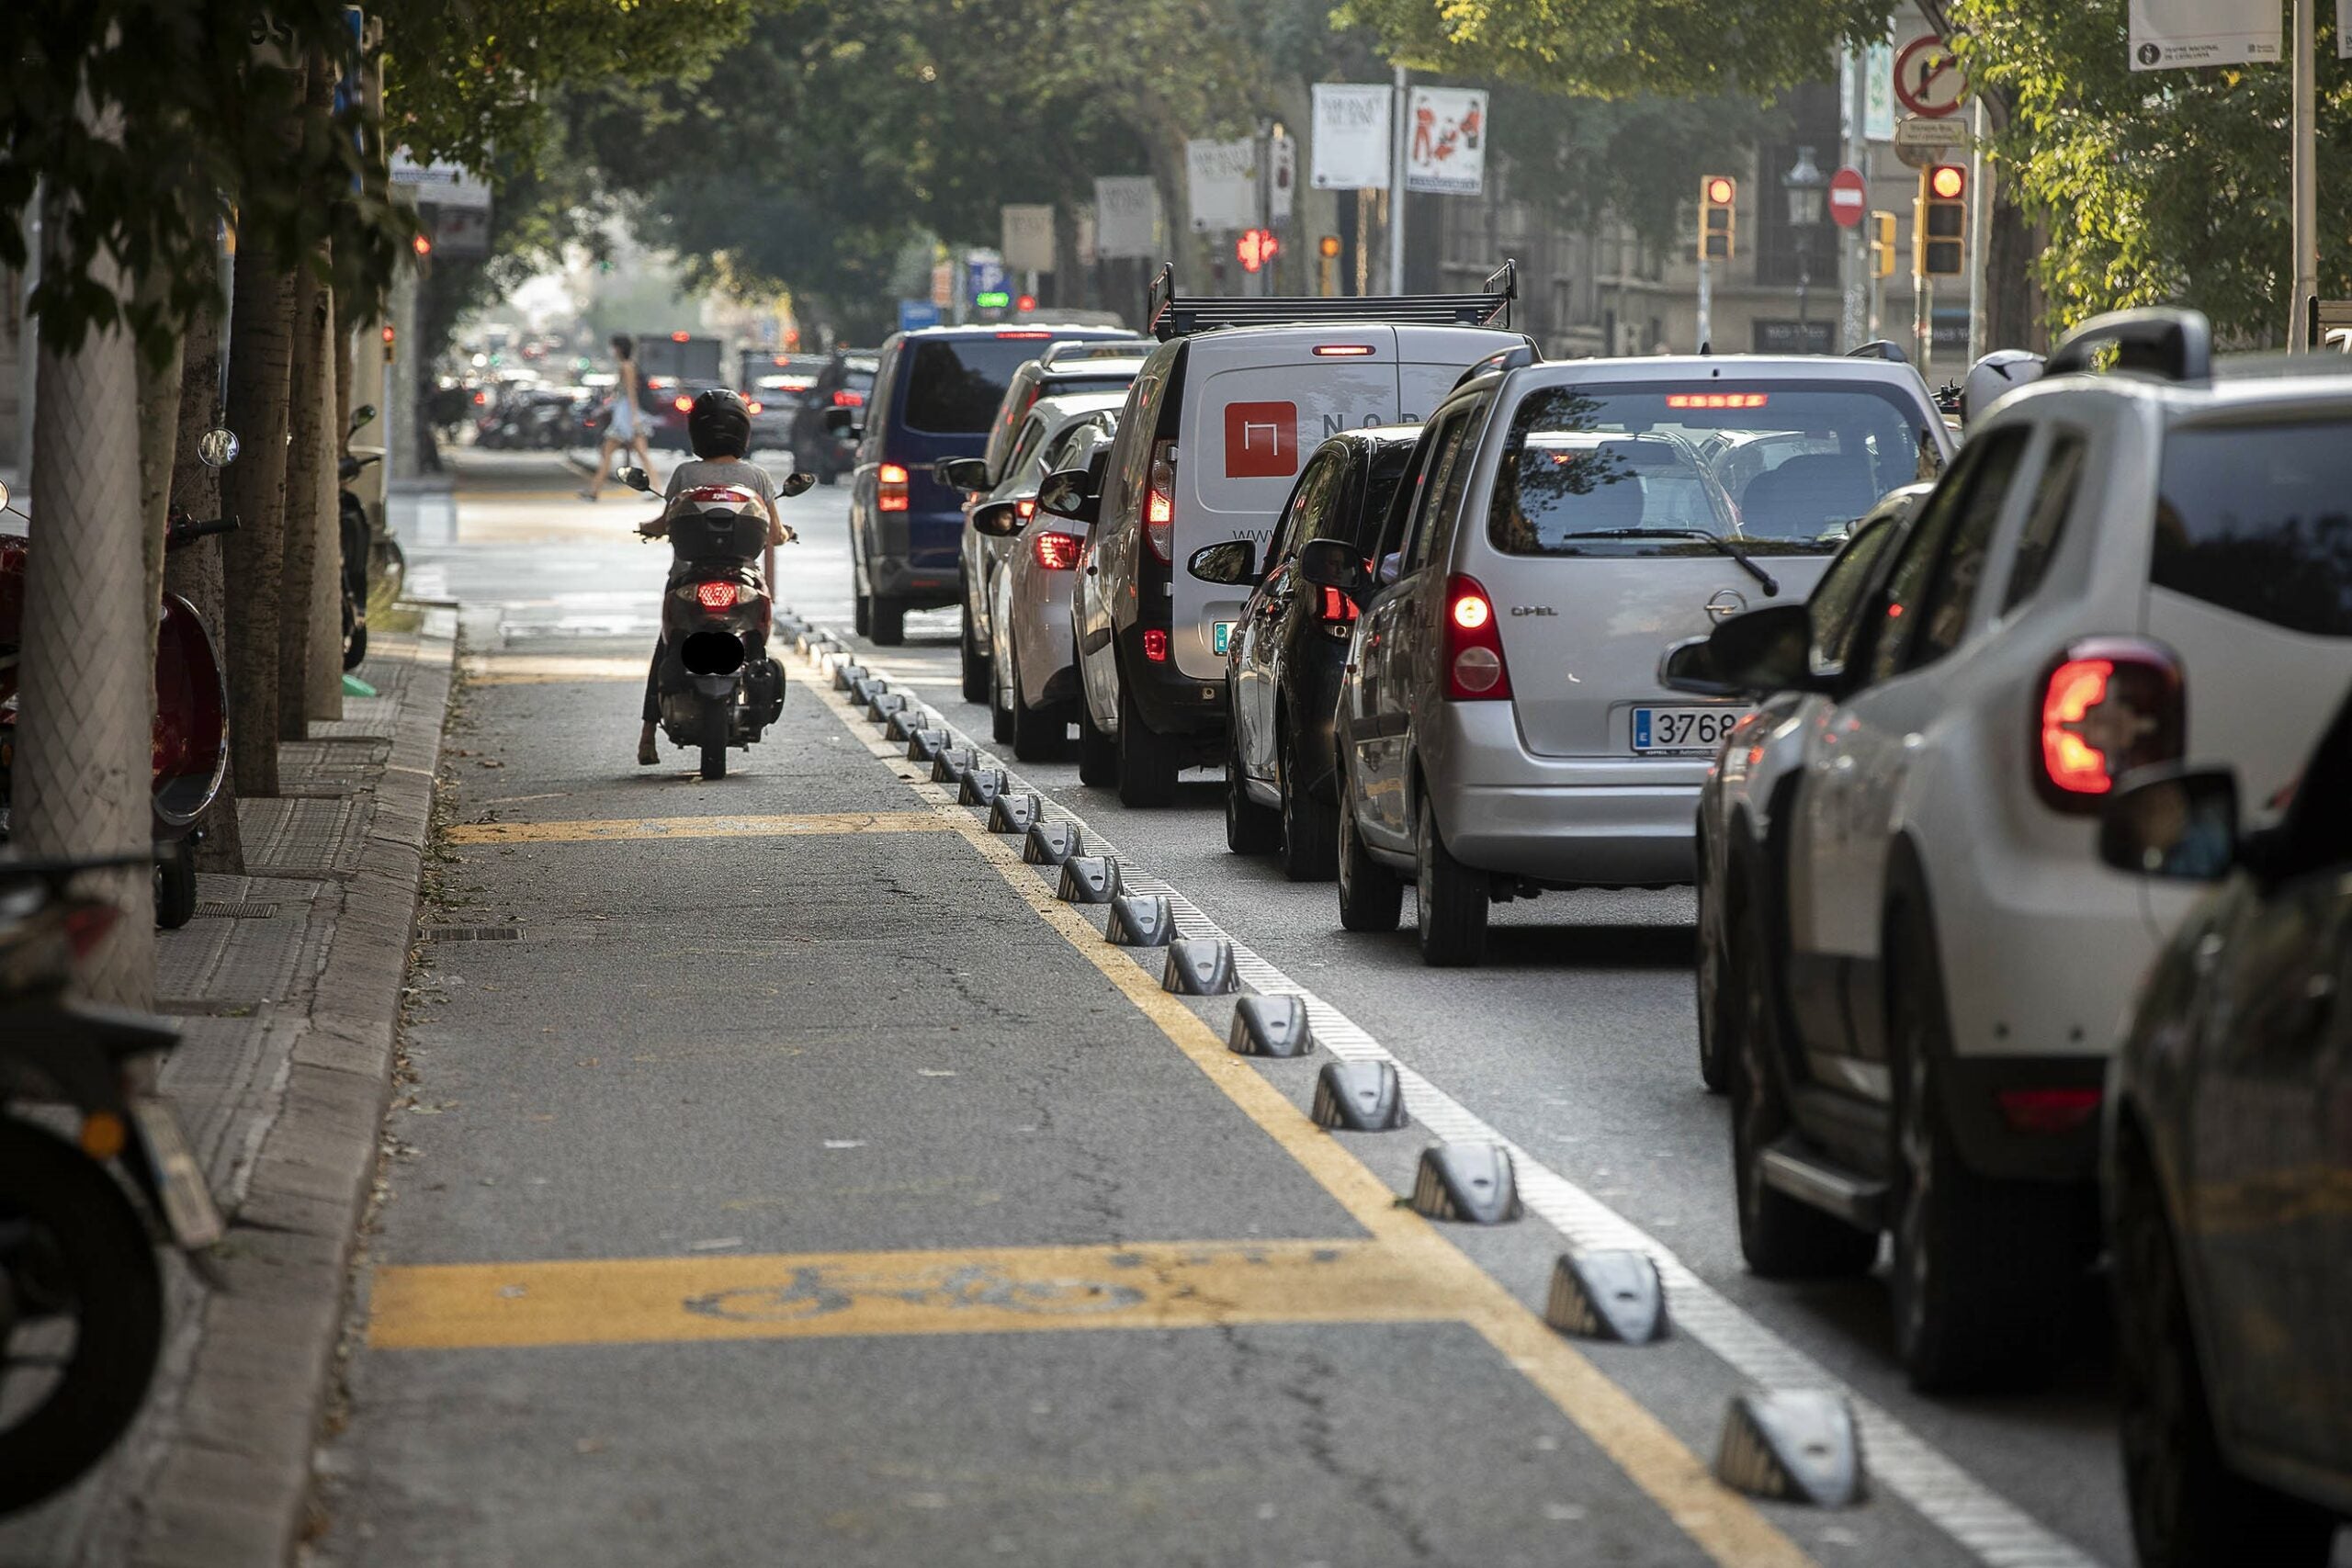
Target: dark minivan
(935,396)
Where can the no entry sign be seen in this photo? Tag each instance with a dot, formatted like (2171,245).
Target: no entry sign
(1847,195)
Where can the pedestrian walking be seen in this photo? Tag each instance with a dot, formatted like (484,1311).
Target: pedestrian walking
(626,431)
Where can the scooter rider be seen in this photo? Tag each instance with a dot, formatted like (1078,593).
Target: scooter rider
(718,427)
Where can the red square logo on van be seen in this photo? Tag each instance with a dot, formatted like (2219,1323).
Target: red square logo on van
(1260,441)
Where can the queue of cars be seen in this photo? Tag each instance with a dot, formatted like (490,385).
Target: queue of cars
(1936,729)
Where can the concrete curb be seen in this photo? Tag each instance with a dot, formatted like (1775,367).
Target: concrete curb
(234,1490)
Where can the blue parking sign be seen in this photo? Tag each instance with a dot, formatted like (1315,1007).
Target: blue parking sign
(914,313)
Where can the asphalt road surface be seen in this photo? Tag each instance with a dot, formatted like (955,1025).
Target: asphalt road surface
(784,1174)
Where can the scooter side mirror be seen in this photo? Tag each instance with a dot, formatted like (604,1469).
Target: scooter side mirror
(217,448)
(795,484)
(638,479)
(364,414)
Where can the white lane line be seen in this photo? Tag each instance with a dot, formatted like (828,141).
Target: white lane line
(1991,1529)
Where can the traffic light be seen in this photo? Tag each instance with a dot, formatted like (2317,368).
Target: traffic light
(391,341)
(1882,243)
(1328,245)
(1716,228)
(1255,248)
(1024,302)
(1939,222)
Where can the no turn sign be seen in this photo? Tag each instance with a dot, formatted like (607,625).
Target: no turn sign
(1848,195)
(1927,79)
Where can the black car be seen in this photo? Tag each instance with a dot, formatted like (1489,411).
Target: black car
(2229,1172)
(1283,664)
(844,382)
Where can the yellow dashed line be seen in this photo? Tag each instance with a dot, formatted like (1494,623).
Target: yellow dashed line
(626,829)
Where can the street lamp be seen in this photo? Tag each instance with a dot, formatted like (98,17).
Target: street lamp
(1807,188)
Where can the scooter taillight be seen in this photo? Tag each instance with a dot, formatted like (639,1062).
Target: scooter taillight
(717,595)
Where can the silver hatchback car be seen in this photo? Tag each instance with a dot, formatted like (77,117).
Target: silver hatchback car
(1501,729)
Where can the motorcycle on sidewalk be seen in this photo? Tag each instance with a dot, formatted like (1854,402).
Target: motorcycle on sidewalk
(372,558)
(717,685)
(80,1291)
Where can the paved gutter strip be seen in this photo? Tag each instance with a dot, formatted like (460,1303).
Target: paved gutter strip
(1996,1531)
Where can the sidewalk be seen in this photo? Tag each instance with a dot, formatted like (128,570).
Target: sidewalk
(287,987)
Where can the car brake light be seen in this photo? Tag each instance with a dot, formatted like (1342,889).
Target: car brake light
(1155,644)
(1344,350)
(846,399)
(1026,337)
(716,595)
(1159,501)
(2108,705)
(892,494)
(682,404)
(1474,670)
(1058,552)
(756,407)
(2048,1109)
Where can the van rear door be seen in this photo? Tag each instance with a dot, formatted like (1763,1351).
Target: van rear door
(1257,403)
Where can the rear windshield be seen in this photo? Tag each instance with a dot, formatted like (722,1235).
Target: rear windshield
(954,383)
(1388,466)
(1785,468)
(2257,519)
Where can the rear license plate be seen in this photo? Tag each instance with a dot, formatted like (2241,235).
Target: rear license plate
(1224,637)
(1683,729)
(187,1202)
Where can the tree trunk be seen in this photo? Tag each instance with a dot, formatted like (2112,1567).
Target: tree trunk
(82,759)
(308,406)
(193,571)
(2014,310)
(261,352)
(322,682)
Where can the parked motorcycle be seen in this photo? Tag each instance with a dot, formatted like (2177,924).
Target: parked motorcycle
(81,1293)
(358,539)
(717,685)
(189,737)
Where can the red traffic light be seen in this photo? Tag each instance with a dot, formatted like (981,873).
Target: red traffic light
(1255,248)
(1946,182)
(1720,189)
(388,336)
(421,245)
(1024,301)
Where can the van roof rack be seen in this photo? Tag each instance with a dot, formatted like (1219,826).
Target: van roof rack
(1175,315)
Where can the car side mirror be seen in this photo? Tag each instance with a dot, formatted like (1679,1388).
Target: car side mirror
(965,473)
(1069,493)
(842,422)
(638,479)
(999,519)
(1333,563)
(2172,821)
(1230,564)
(795,484)
(1770,649)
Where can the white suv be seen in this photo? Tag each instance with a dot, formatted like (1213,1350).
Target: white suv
(1930,960)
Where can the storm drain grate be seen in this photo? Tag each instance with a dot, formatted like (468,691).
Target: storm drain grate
(214,909)
(472,933)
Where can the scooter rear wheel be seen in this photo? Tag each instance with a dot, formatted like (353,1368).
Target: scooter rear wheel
(714,740)
(71,1246)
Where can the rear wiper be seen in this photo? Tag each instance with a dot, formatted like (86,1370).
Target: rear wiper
(1747,562)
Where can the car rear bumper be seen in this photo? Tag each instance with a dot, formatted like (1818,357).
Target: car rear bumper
(917,557)
(1609,821)
(1171,701)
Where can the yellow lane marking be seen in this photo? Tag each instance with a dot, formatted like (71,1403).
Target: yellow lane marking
(620,830)
(970,1291)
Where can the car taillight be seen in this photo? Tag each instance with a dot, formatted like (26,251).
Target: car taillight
(1159,501)
(683,405)
(755,406)
(716,595)
(2048,1109)
(2108,705)
(1335,611)
(846,399)
(1058,552)
(1155,644)
(1473,647)
(892,495)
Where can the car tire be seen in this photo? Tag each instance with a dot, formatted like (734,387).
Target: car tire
(1451,901)
(1098,755)
(2187,1506)
(1249,829)
(1983,1268)
(1310,825)
(175,886)
(1780,1237)
(1001,719)
(860,614)
(1372,899)
(1147,760)
(1708,981)
(889,621)
(976,687)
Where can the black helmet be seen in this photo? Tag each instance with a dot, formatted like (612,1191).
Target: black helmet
(719,426)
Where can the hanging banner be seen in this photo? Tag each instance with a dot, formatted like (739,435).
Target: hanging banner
(1222,178)
(1028,238)
(1877,92)
(1351,149)
(2171,34)
(1127,216)
(1445,146)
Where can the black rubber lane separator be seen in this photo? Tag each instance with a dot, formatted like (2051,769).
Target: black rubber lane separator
(1050,842)
(1607,1293)
(1360,1097)
(1792,1445)
(1271,1026)
(950,763)
(1089,879)
(882,705)
(847,674)
(980,786)
(1469,1182)
(1015,813)
(1142,920)
(922,745)
(1200,967)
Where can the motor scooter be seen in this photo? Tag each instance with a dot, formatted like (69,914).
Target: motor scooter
(716,686)
(81,1294)
(367,558)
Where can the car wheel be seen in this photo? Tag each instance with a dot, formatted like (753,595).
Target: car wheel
(1451,900)
(1780,1238)
(1148,761)
(175,886)
(2188,1506)
(1249,829)
(975,663)
(860,614)
(1370,896)
(1000,720)
(1310,825)
(1983,1268)
(1708,974)
(890,618)
(1098,755)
